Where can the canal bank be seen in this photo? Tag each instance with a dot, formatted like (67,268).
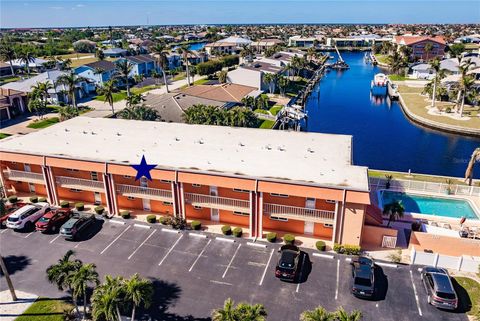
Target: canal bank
(383,137)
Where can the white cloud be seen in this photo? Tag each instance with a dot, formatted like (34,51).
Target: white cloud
(56,8)
(80,5)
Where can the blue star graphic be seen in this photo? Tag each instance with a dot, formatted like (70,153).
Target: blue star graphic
(143,169)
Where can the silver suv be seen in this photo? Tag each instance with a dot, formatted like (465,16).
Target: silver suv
(439,287)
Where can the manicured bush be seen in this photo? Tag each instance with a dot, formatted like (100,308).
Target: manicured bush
(226,230)
(165,220)
(64,204)
(272,237)
(289,238)
(13,199)
(320,245)
(42,199)
(347,249)
(178,223)
(99,210)
(125,214)
(237,232)
(79,206)
(34,199)
(195,225)
(230,60)
(151,218)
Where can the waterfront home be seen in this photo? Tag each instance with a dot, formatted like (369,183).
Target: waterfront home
(230,45)
(12,103)
(115,52)
(5,69)
(299,41)
(419,43)
(142,65)
(230,94)
(36,65)
(475,38)
(253,74)
(264,44)
(97,73)
(357,41)
(174,60)
(237,176)
(450,66)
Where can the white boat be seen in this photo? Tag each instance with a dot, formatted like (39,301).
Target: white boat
(379,85)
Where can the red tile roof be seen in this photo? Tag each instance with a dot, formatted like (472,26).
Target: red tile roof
(410,40)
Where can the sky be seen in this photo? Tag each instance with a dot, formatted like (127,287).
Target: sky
(82,13)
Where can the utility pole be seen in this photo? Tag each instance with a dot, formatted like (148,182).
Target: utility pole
(7,277)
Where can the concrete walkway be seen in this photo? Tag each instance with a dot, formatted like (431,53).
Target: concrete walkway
(102,109)
(10,310)
(173,85)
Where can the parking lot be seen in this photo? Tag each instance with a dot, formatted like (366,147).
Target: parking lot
(195,272)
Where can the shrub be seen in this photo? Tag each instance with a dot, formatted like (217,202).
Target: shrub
(99,210)
(125,214)
(178,223)
(79,206)
(226,230)
(272,237)
(13,199)
(237,232)
(347,249)
(289,238)
(42,199)
(64,204)
(196,225)
(416,226)
(34,199)
(320,245)
(396,256)
(151,218)
(448,110)
(209,67)
(165,220)
(230,60)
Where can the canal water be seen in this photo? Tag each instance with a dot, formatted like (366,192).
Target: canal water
(383,138)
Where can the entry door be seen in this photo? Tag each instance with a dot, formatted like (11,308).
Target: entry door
(146,202)
(214,213)
(308,229)
(31,187)
(98,198)
(310,203)
(27,168)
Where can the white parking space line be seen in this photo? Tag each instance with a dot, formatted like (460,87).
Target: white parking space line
(257,245)
(392,265)
(416,294)
(128,227)
(199,255)
(6,229)
(326,256)
(170,231)
(230,263)
(116,222)
(301,274)
(219,282)
(142,226)
(266,267)
(203,236)
(56,237)
(170,250)
(78,244)
(338,278)
(141,244)
(224,239)
(28,234)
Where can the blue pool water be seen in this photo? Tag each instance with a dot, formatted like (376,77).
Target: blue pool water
(430,205)
(194,46)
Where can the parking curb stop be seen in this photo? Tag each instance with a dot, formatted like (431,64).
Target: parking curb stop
(327,256)
(197,235)
(117,222)
(225,239)
(170,231)
(142,226)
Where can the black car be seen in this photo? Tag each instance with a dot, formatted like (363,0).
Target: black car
(363,277)
(76,225)
(439,287)
(287,265)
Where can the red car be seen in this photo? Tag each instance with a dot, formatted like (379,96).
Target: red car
(51,221)
(9,210)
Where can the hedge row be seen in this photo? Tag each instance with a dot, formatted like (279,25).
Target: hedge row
(347,249)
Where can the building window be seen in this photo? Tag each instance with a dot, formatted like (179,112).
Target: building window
(328,225)
(94,176)
(127,176)
(165,181)
(75,190)
(72,170)
(167,203)
(130,198)
(276,218)
(196,185)
(330,201)
(197,207)
(278,195)
(241,190)
(241,213)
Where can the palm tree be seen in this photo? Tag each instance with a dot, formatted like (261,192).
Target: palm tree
(247,312)
(463,84)
(7,53)
(70,80)
(107,299)
(318,314)
(108,91)
(227,313)
(160,51)
(4,270)
(140,112)
(394,210)
(289,68)
(282,84)
(26,57)
(269,79)
(124,68)
(41,89)
(184,52)
(475,158)
(134,99)
(66,113)
(396,61)
(246,52)
(428,49)
(139,291)
(435,64)
(342,315)
(80,279)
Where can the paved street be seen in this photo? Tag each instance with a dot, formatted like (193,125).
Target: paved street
(194,273)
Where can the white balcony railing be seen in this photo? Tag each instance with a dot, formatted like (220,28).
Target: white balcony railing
(222,203)
(302,213)
(145,192)
(22,176)
(80,183)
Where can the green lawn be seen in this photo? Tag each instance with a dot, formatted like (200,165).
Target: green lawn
(261,111)
(142,90)
(180,76)
(415,177)
(116,96)
(382,58)
(3,135)
(43,123)
(275,109)
(295,86)
(395,77)
(6,80)
(267,124)
(468,291)
(45,309)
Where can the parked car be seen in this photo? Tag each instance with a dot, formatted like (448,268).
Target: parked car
(363,277)
(53,220)
(287,265)
(76,225)
(439,288)
(9,211)
(27,215)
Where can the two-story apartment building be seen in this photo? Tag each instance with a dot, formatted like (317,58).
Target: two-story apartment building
(97,73)
(423,47)
(302,183)
(142,64)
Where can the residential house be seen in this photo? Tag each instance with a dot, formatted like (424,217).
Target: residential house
(419,43)
(97,73)
(5,69)
(263,44)
(115,52)
(252,74)
(142,65)
(12,103)
(306,42)
(230,94)
(37,64)
(230,45)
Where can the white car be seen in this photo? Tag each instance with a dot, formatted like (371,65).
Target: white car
(26,216)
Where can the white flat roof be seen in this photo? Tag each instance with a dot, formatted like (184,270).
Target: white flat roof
(311,158)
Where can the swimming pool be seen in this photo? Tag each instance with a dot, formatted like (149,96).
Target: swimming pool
(430,205)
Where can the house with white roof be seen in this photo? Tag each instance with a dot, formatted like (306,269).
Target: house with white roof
(230,45)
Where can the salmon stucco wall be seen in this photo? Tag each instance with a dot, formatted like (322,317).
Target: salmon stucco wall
(446,245)
(372,236)
(229,217)
(352,224)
